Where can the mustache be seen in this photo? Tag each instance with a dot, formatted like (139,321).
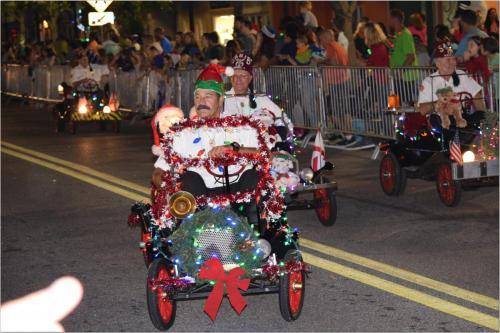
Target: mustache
(202,107)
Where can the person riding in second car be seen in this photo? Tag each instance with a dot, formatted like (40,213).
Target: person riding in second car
(447,78)
(84,73)
(241,100)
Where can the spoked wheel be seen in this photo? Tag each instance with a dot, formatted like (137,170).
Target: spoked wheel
(292,290)
(326,206)
(392,176)
(160,307)
(449,190)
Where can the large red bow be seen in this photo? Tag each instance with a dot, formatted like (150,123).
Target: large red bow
(213,270)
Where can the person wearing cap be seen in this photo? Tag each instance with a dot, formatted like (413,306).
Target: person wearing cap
(448,76)
(210,142)
(241,100)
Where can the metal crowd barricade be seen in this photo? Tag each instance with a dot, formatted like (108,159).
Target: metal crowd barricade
(333,98)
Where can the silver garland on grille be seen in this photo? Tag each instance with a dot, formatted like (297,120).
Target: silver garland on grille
(219,243)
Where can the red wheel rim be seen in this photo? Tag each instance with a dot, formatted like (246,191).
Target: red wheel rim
(323,209)
(164,304)
(295,291)
(446,185)
(387,174)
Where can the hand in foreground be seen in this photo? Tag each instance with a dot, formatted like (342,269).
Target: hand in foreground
(42,310)
(220,151)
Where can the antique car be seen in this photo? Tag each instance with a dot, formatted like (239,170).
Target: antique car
(207,246)
(453,157)
(84,104)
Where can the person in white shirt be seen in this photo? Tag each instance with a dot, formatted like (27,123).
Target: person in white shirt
(310,19)
(84,73)
(448,76)
(211,142)
(241,100)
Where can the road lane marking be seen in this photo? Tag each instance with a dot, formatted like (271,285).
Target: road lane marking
(405,292)
(75,174)
(402,274)
(81,168)
(374,281)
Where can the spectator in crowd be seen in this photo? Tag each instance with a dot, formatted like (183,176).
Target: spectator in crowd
(48,57)
(468,22)
(178,42)
(456,29)
(111,45)
(190,46)
(92,47)
(403,53)
(418,29)
(317,52)
(335,53)
(163,40)
(125,60)
(232,49)
(491,22)
(303,54)
(338,26)
(61,48)
(359,40)
(266,50)
(245,38)
(310,20)
(377,42)
(474,61)
(489,47)
(289,49)
(238,22)
(214,52)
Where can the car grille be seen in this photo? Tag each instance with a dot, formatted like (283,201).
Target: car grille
(219,243)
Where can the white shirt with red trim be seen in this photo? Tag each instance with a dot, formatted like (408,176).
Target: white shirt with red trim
(190,143)
(434,82)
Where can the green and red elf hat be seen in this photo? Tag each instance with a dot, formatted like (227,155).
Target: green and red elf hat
(211,79)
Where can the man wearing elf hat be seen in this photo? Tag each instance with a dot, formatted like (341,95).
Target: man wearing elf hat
(446,77)
(210,142)
(241,100)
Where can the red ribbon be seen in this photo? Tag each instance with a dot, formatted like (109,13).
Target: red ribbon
(213,270)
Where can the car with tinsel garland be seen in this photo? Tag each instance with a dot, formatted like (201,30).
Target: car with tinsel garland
(455,158)
(86,103)
(207,246)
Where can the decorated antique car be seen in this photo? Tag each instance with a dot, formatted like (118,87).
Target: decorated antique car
(210,245)
(455,158)
(84,104)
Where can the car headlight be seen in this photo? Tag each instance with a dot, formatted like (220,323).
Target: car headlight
(306,174)
(106,109)
(60,89)
(82,109)
(468,156)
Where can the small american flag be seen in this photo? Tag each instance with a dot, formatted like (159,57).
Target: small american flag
(455,150)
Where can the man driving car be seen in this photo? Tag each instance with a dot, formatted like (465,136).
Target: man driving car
(211,142)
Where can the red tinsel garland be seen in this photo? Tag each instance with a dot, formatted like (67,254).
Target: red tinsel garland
(271,198)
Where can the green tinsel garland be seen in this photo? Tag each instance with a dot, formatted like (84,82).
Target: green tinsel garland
(184,241)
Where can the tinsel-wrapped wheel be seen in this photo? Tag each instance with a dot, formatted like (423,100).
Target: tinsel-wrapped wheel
(161,307)
(292,290)
(449,190)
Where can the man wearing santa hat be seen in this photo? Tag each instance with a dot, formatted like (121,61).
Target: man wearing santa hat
(210,142)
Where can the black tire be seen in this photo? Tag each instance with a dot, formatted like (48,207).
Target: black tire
(155,314)
(327,211)
(392,176)
(116,126)
(60,125)
(449,190)
(72,127)
(288,311)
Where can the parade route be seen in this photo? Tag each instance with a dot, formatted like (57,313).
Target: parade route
(377,248)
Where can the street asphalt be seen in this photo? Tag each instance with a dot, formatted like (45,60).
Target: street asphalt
(54,224)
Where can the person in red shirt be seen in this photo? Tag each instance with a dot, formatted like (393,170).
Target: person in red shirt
(377,43)
(476,63)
